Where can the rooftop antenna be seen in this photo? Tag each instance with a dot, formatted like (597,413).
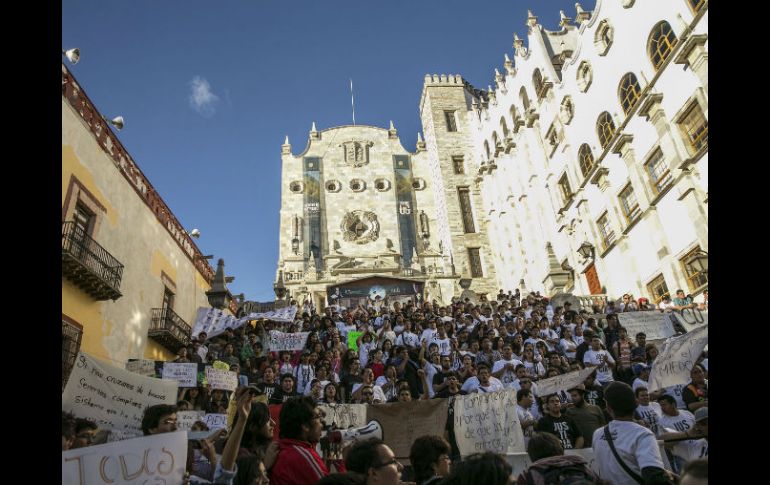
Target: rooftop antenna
(352,102)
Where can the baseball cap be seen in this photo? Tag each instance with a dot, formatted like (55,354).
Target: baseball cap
(701,414)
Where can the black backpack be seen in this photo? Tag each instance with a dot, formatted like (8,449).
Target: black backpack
(574,473)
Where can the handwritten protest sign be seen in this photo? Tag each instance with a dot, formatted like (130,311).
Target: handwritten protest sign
(488,422)
(673,364)
(654,324)
(143,367)
(159,458)
(185,419)
(403,422)
(353,339)
(563,382)
(287,341)
(221,379)
(215,420)
(185,374)
(112,397)
(344,416)
(691,318)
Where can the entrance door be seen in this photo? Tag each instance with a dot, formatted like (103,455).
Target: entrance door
(594,286)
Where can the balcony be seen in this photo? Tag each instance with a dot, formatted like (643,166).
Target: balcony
(168,329)
(88,265)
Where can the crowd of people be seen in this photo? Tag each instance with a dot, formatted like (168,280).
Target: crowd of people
(426,351)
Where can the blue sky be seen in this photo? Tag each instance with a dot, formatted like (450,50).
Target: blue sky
(209,90)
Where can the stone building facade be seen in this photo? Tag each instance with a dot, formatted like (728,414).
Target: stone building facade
(584,169)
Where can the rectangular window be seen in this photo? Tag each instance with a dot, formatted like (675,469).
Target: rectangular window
(71,336)
(695,279)
(660,177)
(629,205)
(459,165)
(658,289)
(474,257)
(84,219)
(565,189)
(605,230)
(695,128)
(465,209)
(168,299)
(451,121)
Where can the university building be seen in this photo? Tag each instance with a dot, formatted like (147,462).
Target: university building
(582,168)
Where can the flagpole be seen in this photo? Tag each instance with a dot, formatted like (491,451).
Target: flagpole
(352,102)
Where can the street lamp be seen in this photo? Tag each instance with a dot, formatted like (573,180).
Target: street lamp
(586,250)
(699,262)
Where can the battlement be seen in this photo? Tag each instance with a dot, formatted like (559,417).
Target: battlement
(444,80)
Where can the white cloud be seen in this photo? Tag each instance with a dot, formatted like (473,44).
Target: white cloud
(201,98)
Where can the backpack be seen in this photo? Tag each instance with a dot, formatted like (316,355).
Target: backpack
(565,469)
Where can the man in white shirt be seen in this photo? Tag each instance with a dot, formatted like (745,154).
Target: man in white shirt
(646,411)
(441,339)
(635,445)
(407,337)
(505,367)
(524,400)
(666,304)
(428,333)
(483,381)
(367,375)
(601,359)
(691,449)
(673,418)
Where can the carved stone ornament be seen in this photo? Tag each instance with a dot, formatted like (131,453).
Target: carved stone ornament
(360,227)
(356,152)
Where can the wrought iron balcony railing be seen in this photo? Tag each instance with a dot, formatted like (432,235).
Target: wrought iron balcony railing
(168,329)
(87,264)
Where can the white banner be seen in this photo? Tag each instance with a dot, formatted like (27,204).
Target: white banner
(214,321)
(159,458)
(654,324)
(679,354)
(112,397)
(221,379)
(563,382)
(287,341)
(344,416)
(186,374)
(487,421)
(283,315)
(691,318)
(185,419)
(215,421)
(143,367)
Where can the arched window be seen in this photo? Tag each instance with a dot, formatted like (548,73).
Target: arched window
(567,109)
(524,98)
(495,141)
(537,82)
(629,92)
(504,127)
(696,5)
(584,76)
(660,44)
(603,37)
(586,159)
(605,128)
(486,149)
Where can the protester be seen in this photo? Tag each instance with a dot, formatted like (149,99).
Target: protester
(561,426)
(430,459)
(551,466)
(587,417)
(375,460)
(85,432)
(480,468)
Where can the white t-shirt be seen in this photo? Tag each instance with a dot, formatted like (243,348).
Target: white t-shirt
(409,339)
(378,394)
(690,450)
(525,415)
(363,352)
(676,393)
(681,422)
(473,385)
(304,373)
(508,376)
(309,388)
(427,335)
(430,371)
(444,345)
(600,360)
(651,415)
(636,446)
(569,348)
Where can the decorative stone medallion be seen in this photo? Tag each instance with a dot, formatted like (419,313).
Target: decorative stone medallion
(360,227)
(356,152)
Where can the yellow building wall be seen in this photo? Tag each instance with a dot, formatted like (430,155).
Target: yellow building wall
(117,331)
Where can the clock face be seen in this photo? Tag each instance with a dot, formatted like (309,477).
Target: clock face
(376,291)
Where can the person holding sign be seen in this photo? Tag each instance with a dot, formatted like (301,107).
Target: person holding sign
(602,360)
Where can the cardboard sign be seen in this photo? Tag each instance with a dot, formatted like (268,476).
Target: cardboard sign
(563,382)
(185,419)
(185,374)
(679,354)
(287,341)
(344,416)
(221,379)
(488,422)
(159,458)
(215,420)
(655,325)
(403,422)
(112,397)
(143,367)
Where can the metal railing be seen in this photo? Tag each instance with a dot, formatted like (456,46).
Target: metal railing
(79,245)
(166,322)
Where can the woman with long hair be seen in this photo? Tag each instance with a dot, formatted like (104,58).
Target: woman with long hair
(330,395)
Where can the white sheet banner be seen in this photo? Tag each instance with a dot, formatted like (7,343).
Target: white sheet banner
(221,379)
(487,421)
(691,318)
(112,397)
(287,341)
(344,416)
(563,382)
(679,354)
(654,324)
(159,458)
(186,374)
(284,315)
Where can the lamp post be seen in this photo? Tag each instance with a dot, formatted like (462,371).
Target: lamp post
(586,250)
(699,262)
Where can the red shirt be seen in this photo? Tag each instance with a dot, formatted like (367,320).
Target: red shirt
(297,464)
